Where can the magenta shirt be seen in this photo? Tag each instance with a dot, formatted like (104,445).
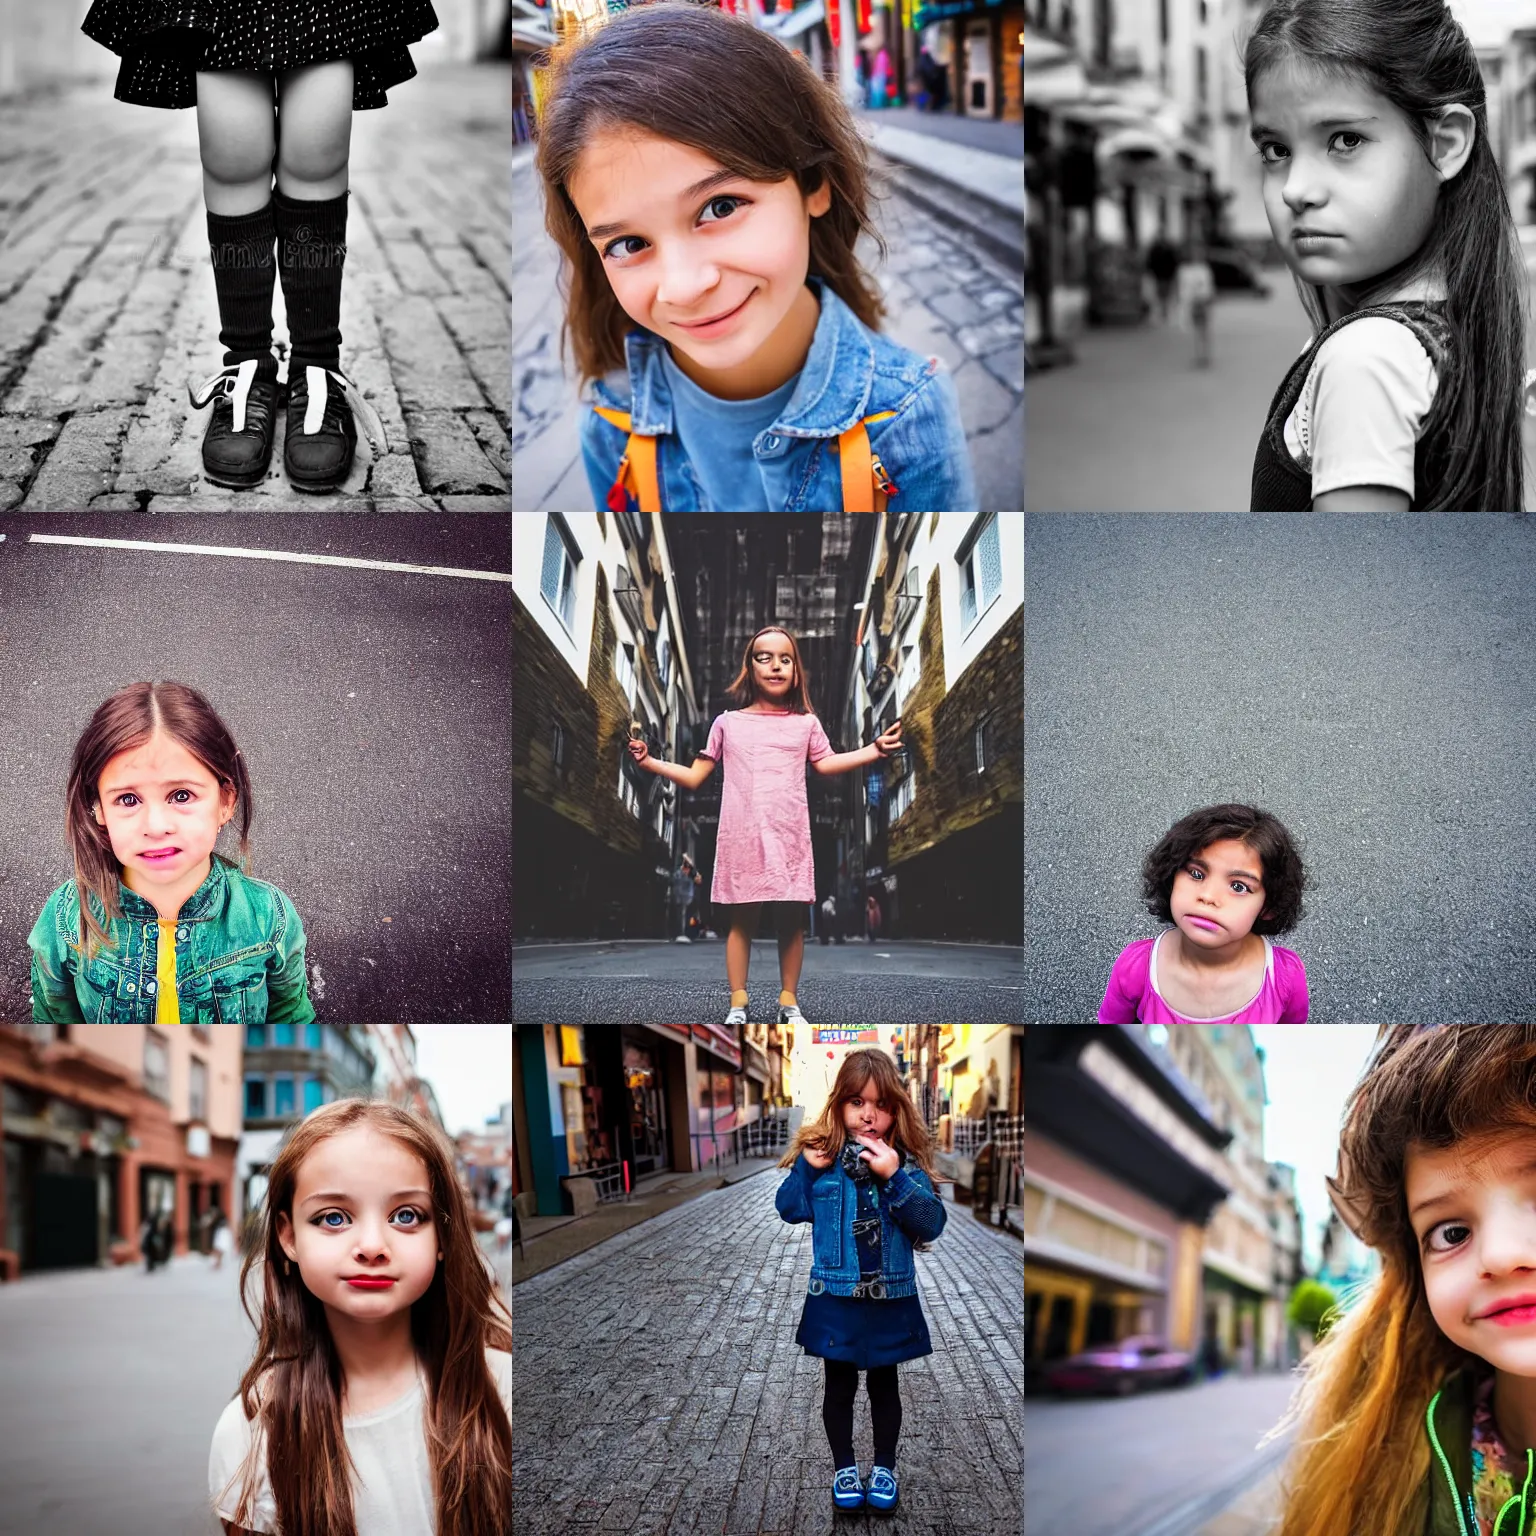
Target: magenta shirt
(1132,996)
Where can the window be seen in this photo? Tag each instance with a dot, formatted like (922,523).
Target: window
(910,668)
(664,660)
(157,1066)
(557,746)
(282,1034)
(314,1094)
(628,793)
(557,580)
(901,797)
(312,1040)
(282,1096)
(624,670)
(985,742)
(981,573)
(197,1105)
(256,1098)
(255,1036)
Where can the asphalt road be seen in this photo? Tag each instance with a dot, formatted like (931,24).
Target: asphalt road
(651,981)
(1369,679)
(372,706)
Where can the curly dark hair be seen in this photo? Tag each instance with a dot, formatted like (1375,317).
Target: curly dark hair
(1284,877)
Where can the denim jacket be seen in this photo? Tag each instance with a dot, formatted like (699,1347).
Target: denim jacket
(910,1212)
(239,957)
(851,373)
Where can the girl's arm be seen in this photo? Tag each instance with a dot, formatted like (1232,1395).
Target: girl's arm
(915,1208)
(689,778)
(53,993)
(794,1197)
(287,984)
(843,762)
(1362,498)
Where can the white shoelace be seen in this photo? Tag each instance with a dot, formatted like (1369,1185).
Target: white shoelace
(237,381)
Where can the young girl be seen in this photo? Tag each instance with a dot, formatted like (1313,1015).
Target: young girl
(1226,877)
(156,927)
(870,1202)
(379,1399)
(1417,1411)
(707,190)
(1385,197)
(763,851)
(321,61)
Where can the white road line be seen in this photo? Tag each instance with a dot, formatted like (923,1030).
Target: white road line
(269,554)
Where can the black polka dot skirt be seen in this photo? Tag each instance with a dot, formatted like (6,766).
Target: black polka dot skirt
(163,43)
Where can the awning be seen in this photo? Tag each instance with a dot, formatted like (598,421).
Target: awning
(1140,143)
(939,10)
(786,25)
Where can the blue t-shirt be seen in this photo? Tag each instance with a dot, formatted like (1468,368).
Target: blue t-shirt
(717,436)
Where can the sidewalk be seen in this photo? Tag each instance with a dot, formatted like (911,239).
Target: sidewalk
(108,307)
(1254,1513)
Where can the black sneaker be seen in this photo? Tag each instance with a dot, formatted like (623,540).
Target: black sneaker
(237,447)
(324,408)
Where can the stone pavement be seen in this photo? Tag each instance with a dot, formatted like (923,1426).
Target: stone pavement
(944,295)
(658,1390)
(108,308)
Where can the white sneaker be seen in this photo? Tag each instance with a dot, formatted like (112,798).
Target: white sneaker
(791,1014)
(682,938)
(736,1016)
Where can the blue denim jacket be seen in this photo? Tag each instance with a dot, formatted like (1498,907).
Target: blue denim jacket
(910,1212)
(239,957)
(850,373)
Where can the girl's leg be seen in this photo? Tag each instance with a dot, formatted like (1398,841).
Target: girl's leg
(885,1413)
(236,137)
(791,926)
(837,1410)
(738,946)
(314,130)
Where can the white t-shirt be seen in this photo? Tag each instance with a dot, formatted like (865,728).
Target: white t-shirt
(1363,406)
(393,1495)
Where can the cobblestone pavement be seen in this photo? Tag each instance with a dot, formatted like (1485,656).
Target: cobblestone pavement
(107,303)
(943,299)
(658,1390)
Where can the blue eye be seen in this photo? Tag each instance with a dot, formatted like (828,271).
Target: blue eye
(323,1219)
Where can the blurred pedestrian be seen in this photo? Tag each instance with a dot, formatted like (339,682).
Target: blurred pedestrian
(880,86)
(1163,264)
(873,917)
(223,1240)
(1403,248)
(149,1242)
(828,918)
(1197,292)
(684,883)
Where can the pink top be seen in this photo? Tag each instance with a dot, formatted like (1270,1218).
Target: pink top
(1132,996)
(763,852)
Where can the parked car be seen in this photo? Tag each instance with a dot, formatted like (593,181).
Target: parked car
(1142,1360)
(1235,270)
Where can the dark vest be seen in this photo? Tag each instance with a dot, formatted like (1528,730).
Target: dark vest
(1281,485)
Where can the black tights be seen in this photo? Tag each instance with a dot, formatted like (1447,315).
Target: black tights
(884,1411)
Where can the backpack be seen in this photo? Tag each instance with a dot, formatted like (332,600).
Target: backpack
(866,485)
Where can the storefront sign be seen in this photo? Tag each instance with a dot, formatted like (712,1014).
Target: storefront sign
(712,1037)
(854,1035)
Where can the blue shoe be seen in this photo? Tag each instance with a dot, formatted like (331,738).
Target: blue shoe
(882,1491)
(847,1490)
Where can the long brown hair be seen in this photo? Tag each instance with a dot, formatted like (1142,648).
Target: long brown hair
(827,1134)
(469,1435)
(125,721)
(697,76)
(1362,1455)
(743,689)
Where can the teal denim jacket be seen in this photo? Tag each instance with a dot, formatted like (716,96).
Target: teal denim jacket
(239,957)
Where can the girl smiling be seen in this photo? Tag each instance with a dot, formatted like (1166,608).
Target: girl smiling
(707,190)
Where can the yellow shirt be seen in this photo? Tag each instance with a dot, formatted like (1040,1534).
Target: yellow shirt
(167,1009)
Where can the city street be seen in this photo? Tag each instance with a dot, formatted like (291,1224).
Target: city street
(108,307)
(945,297)
(1134,426)
(648,980)
(111,1382)
(371,706)
(660,1391)
(1369,680)
(1180,1456)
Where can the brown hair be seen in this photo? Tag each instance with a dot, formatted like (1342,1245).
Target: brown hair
(469,1435)
(743,687)
(826,1133)
(697,76)
(125,721)
(1362,1455)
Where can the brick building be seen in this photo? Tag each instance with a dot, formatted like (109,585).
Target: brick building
(941,647)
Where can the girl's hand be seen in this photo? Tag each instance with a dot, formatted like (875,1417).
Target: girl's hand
(639,751)
(814,1158)
(882,1159)
(889,740)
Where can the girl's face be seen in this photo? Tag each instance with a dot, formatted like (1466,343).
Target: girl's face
(162,809)
(866,1113)
(362,1205)
(684,241)
(1219,894)
(1348,188)
(1473,1212)
(774,672)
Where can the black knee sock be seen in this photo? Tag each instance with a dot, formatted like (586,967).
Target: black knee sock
(312,250)
(240,247)
(885,1412)
(837,1410)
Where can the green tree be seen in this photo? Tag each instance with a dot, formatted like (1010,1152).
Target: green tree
(1312,1307)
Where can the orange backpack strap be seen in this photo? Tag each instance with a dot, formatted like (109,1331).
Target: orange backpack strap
(637,468)
(866,485)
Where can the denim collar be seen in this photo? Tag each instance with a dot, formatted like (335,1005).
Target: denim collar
(203,903)
(831,395)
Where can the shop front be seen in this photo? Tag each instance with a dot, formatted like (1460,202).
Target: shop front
(980,45)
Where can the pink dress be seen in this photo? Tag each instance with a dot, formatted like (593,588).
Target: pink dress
(763,852)
(1132,996)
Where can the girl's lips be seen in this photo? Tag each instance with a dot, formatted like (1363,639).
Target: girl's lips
(720,324)
(1204,922)
(160,855)
(1513,1317)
